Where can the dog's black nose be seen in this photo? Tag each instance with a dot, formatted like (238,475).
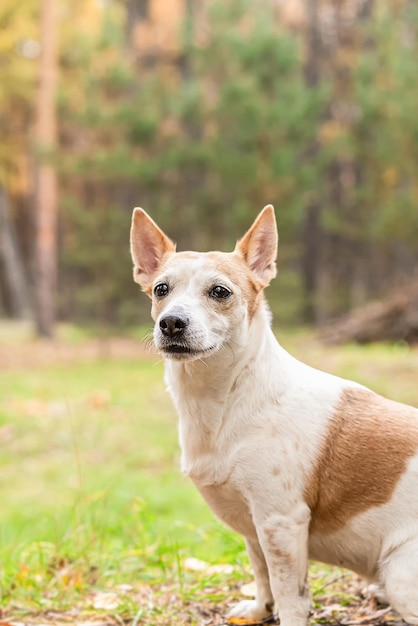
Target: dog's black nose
(173,325)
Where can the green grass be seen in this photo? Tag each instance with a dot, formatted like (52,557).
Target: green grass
(90,489)
(91,497)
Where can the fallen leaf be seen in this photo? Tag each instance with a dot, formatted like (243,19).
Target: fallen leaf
(124,587)
(249,589)
(106,600)
(222,568)
(195,565)
(99,399)
(243,621)
(328,611)
(368,617)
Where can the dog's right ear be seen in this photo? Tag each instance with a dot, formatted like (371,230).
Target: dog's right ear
(259,246)
(149,245)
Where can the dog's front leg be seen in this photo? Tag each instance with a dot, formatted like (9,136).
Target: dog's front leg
(284,541)
(263,604)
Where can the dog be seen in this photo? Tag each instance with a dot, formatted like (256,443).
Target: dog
(304,464)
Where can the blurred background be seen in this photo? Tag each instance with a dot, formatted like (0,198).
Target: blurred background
(202,112)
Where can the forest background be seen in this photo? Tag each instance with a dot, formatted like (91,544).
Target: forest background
(202,112)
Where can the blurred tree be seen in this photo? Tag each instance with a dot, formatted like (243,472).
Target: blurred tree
(18,51)
(15,287)
(369,214)
(45,200)
(312,235)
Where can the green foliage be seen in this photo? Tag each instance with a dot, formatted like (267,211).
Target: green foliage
(19,50)
(384,139)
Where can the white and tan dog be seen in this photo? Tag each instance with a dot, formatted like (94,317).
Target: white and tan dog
(305,465)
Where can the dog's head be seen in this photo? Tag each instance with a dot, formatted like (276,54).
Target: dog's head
(202,301)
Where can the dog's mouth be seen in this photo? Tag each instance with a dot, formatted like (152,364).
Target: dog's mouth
(176,350)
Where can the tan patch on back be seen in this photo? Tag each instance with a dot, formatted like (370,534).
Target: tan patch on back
(369,443)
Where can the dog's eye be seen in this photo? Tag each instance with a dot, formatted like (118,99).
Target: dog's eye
(161,290)
(220,293)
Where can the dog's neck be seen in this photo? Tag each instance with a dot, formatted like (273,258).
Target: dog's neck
(211,393)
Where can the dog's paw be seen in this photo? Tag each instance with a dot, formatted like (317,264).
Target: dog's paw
(250,610)
(377,592)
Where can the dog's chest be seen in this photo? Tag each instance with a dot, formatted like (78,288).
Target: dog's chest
(230,506)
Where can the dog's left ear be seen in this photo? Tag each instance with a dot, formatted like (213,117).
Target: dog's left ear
(259,246)
(149,245)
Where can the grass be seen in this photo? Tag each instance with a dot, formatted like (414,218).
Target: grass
(90,492)
(94,513)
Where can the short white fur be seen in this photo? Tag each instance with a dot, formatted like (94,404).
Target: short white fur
(251,422)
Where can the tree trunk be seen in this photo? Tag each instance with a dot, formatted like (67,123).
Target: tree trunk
(16,286)
(136,10)
(46,184)
(311,229)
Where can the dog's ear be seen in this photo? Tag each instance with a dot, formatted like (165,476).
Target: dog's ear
(259,246)
(149,245)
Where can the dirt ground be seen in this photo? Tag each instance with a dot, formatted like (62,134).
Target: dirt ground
(26,351)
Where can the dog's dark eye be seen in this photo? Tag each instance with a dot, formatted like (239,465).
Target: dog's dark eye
(161,290)
(220,293)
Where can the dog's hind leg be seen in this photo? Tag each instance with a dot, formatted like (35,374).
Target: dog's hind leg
(263,604)
(399,576)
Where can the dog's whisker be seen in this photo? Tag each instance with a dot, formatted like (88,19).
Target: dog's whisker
(148,340)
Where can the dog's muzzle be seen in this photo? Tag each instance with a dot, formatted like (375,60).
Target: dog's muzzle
(173,326)
(174,337)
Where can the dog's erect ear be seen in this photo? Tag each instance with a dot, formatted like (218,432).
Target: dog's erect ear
(259,246)
(149,245)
